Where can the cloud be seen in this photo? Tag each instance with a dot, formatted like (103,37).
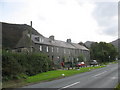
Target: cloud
(119,19)
(110,31)
(106,16)
(80,21)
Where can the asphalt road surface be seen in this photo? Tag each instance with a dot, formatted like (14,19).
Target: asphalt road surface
(106,77)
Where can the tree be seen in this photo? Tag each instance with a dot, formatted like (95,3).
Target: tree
(81,58)
(103,52)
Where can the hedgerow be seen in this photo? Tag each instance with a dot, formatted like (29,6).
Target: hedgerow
(17,65)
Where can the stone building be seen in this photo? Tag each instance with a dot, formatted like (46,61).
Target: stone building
(58,51)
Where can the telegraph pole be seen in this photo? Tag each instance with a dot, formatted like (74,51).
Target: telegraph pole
(30,36)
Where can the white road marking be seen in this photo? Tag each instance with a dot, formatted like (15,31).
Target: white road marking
(113,77)
(71,85)
(114,68)
(99,74)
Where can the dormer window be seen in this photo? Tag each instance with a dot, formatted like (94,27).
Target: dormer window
(37,39)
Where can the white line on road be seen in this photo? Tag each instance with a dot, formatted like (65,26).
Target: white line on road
(69,85)
(99,74)
(114,77)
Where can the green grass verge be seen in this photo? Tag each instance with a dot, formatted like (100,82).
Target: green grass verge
(47,76)
(107,63)
(58,74)
(14,83)
(117,87)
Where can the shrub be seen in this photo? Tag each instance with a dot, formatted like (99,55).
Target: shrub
(10,66)
(16,64)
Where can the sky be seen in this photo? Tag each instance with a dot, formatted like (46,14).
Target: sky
(79,20)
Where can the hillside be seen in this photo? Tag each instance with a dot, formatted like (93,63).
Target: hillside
(88,43)
(116,43)
(12,33)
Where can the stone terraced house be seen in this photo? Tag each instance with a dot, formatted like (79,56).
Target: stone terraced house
(58,51)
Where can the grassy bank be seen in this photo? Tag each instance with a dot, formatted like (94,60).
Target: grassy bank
(117,87)
(58,74)
(107,63)
(47,76)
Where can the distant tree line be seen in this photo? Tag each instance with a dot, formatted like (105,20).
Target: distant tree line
(19,65)
(103,52)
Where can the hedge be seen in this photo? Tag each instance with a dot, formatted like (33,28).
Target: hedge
(15,65)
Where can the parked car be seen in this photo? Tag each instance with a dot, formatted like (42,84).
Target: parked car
(94,62)
(81,64)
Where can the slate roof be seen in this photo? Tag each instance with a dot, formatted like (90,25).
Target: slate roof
(15,37)
(77,46)
(45,40)
(48,41)
(62,44)
(13,33)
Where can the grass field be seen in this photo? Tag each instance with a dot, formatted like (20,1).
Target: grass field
(47,76)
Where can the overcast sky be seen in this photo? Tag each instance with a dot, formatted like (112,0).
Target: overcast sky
(80,20)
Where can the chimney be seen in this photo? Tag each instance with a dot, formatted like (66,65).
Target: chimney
(52,37)
(31,23)
(81,43)
(68,40)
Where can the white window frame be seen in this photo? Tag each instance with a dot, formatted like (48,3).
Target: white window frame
(40,48)
(64,51)
(47,50)
(41,39)
(69,51)
(52,49)
(57,49)
(77,59)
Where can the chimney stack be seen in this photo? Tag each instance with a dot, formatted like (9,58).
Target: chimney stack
(31,23)
(68,40)
(52,37)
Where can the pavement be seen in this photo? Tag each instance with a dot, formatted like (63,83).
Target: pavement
(106,77)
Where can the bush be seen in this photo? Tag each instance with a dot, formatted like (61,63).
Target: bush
(10,66)
(81,58)
(16,64)
(38,63)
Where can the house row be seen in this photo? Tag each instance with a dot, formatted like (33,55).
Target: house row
(27,39)
(58,51)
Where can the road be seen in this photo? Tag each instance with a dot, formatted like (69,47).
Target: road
(106,77)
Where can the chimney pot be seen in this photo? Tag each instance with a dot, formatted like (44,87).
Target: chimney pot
(68,40)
